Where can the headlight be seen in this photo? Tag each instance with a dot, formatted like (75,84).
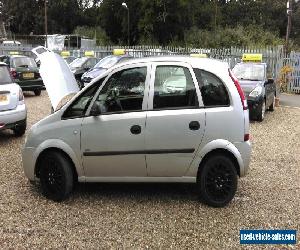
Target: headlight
(256,91)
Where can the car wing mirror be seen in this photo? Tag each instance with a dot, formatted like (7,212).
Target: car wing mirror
(95,110)
(269,81)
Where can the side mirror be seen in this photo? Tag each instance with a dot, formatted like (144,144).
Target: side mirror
(270,81)
(95,110)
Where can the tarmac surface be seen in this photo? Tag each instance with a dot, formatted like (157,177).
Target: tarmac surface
(290,100)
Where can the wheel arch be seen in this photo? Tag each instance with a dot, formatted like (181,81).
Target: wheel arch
(217,146)
(223,151)
(44,152)
(62,147)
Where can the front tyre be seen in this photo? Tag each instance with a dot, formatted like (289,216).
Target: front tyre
(217,180)
(56,176)
(261,112)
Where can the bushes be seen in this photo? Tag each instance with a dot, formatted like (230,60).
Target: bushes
(227,37)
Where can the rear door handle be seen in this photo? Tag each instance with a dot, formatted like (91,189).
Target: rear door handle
(194,125)
(135,129)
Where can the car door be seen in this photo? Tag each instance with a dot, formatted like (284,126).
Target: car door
(175,124)
(113,143)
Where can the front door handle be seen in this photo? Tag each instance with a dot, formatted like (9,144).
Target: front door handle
(194,125)
(135,129)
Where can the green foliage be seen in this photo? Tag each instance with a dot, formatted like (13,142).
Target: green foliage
(226,37)
(201,23)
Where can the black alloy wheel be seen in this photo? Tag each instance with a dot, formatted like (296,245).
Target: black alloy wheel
(56,176)
(217,180)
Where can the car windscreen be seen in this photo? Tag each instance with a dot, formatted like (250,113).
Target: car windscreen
(77,63)
(5,77)
(23,62)
(107,62)
(252,72)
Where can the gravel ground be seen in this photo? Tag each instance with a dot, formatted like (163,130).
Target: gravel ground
(154,215)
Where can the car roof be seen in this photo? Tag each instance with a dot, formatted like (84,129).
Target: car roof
(194,62)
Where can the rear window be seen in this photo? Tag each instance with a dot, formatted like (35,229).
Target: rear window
(5,77)
(23,62)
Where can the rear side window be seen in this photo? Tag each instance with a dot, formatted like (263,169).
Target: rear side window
(4,75)
(213,90)
(174,88)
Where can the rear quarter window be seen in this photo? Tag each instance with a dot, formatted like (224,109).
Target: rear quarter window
(213,90)
(4,75)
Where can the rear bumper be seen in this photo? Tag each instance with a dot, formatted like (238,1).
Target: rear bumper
(11,118)
(31,84)
(244,149)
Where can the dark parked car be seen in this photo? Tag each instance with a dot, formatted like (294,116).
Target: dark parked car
(24,72)
(80,65)
(69,59)
(259,90)
(103,65)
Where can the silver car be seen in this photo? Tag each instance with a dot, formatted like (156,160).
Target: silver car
(127,127)
(13,111)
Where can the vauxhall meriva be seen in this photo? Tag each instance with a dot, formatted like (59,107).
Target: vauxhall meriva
(160,119)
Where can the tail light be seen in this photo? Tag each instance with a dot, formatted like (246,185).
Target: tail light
(246,137)
(21,96)
(13,73)
(239,89)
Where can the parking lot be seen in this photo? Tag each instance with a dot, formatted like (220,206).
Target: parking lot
(153,215)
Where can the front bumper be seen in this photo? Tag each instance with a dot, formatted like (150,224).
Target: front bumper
(11,118)
(255,106)
(28,161)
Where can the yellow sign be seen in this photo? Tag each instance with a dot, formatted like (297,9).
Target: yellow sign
(199,55)
(119,52)
(89,53)
(252,58)
(28,75)
(65,53)
(14,53)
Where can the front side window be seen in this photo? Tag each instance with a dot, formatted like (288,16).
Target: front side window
(79,106)
(174,88)
(213,91)
(123,91)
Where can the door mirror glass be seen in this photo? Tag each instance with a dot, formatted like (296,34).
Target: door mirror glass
(95,110)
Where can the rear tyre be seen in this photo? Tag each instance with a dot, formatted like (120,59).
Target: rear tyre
(217,180)
(37,92)
(272,106)
(261,113)
(56,176)
(20,129)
